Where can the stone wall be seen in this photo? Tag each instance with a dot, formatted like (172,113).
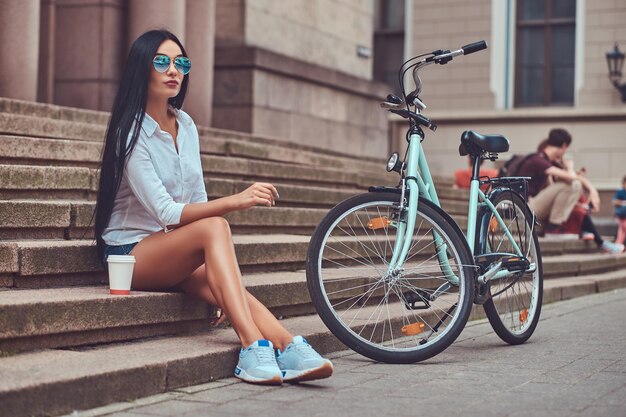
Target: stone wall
(322,32)
(460,94)
(268,94)
(293,73)
(450,24)
(604,25)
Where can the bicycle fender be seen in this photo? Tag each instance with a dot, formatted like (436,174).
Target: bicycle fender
(483,217)
(497,191)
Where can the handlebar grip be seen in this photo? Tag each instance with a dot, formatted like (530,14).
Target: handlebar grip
(474,47)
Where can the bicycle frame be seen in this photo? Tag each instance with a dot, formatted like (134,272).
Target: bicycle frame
(419,182)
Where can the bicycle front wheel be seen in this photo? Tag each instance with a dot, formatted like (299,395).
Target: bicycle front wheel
(393,315)
(515,304)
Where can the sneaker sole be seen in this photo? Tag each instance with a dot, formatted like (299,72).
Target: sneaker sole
(276,380)
(322,372)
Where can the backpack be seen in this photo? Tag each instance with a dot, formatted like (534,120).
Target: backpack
(513,165)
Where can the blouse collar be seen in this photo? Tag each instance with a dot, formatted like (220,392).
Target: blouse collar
(149,125)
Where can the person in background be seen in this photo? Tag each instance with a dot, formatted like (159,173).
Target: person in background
(619,201)
(555,189)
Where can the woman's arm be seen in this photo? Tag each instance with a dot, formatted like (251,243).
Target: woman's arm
(568,176)
(258,194)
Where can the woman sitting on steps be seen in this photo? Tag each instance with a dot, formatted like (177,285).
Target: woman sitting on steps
(152,204)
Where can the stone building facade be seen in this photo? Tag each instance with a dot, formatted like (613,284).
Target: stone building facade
(290,71)
(487,91)
(306,71)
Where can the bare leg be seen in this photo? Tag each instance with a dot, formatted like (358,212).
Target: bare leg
(621,231)
(166,260)
(267,324)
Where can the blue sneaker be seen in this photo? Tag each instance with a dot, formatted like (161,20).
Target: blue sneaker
(300,362)
(257,364)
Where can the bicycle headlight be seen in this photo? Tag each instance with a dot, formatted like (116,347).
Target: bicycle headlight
(394,163)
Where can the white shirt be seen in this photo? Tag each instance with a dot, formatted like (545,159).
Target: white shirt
(157,182)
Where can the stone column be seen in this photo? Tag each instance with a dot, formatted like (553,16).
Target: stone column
(144,15)
(89,46)
(200,39)
(19,32)
(45,85)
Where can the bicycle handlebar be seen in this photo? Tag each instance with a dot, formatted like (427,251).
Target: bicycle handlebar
(394,104)
(474,47)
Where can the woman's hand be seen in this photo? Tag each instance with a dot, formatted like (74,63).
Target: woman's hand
(258,194)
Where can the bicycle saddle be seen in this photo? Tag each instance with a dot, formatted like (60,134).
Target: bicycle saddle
(471,140)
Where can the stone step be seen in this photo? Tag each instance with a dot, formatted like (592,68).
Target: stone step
(55,143)
(62,182)
(52,111)
(56,381)
(72,219)
(20,125)
(216,140)
(54,263)
(242,163)
(18,150)
(63,317)
(23,181)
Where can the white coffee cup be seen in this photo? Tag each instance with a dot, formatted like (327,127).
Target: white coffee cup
(120,273)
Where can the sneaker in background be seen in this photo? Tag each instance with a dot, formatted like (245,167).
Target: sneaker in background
(257,364)
(612,248)
(300,362)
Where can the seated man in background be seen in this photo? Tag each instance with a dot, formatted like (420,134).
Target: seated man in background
(555,188)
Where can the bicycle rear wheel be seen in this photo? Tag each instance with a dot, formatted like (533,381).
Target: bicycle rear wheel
(406,316)
(515,304)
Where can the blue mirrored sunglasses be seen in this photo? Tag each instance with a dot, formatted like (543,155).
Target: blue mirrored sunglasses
(181,63)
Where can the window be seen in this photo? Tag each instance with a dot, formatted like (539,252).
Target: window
(546,36)
(388,41)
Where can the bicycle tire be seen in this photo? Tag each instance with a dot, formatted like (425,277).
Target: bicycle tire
(514,307)
(323,263)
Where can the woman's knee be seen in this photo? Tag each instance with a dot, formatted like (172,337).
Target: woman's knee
(213,228)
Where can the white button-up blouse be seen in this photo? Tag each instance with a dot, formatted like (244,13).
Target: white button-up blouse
(157,182)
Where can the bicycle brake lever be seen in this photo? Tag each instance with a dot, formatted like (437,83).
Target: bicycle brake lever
(391,106)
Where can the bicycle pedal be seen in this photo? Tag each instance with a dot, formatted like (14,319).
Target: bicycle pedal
(411,298)
(379,223)
(515,263)
(413,329)
(482,294)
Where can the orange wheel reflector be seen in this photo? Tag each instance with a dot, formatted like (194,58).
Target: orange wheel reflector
(523,315)
(412,329)
(493,225)
(378,223)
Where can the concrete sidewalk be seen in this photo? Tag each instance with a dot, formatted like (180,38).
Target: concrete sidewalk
(574,365)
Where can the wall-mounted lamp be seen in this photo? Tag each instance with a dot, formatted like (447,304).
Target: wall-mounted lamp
(615,60)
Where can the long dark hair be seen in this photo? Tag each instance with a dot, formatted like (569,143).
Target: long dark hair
(129,108)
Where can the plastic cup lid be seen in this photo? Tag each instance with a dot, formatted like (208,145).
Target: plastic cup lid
(121,258)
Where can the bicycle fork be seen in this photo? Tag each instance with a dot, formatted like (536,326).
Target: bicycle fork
(418,185)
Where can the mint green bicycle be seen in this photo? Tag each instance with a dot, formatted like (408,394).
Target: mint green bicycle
(392,275)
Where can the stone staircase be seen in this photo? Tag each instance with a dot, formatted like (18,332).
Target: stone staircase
(66,344)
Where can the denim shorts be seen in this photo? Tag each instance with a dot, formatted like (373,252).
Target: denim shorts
(116,250)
